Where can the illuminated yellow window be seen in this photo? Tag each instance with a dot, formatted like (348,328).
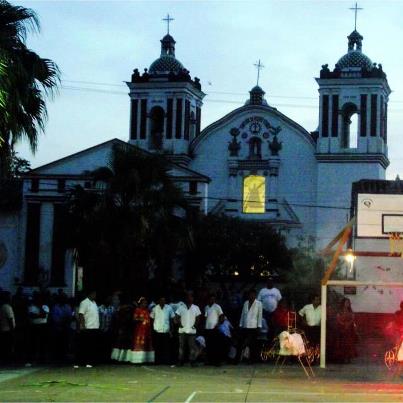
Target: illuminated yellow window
(254,189)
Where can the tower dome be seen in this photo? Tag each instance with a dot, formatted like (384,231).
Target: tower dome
(167,62)
(354,57)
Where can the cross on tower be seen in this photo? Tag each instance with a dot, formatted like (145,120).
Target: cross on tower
(356,8)
(259,66)
(168,19)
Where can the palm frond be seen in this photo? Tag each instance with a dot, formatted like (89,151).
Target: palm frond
(16,22)
(26,79)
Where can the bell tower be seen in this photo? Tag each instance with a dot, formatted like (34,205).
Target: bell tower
(352,135)
(165,111)
(353,105)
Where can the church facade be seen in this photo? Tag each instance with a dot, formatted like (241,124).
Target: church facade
(255,163)
(262,164)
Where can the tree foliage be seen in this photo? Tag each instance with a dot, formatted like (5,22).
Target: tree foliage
(26,80)
(128,227)
(304,275)
(227,247)
(18,165)
(11,188)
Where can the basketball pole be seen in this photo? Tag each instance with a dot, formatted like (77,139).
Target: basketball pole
(323,326)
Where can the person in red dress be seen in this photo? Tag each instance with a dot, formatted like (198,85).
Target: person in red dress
(280,318)
(142,350)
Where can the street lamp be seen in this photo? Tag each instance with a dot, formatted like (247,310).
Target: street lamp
(350,258)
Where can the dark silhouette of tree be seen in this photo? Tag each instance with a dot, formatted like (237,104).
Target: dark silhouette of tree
(227,247)
(26,80)
(128,227)
(304,275)
(18,165)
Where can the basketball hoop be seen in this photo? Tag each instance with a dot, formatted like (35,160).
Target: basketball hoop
(396,244)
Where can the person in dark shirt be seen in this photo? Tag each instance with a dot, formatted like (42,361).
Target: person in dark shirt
(61,315)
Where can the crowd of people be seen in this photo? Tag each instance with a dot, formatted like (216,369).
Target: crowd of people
(43,328)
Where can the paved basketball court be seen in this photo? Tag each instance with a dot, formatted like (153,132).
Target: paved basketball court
(204,384)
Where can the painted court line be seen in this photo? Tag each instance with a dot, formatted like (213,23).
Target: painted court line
(191,396)
(286,392)
(158,394)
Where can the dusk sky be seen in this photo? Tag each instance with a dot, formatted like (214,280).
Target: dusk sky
(97,44)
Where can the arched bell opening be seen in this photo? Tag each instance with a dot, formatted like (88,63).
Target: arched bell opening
(157,115)
(349,126)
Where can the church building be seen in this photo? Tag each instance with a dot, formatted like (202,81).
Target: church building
(254,163)
(262,164)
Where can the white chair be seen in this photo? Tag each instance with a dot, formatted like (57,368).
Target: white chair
(293,342)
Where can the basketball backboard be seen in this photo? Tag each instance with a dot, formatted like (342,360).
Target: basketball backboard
(379,215)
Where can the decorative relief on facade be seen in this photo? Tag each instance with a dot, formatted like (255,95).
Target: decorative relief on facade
(254,130)
(275,146)
(255,119)
(234,146)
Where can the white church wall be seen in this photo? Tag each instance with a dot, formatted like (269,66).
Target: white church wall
(211,159)
(76,164)
(298,177)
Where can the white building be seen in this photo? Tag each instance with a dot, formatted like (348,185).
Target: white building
(254,163)
(378,208)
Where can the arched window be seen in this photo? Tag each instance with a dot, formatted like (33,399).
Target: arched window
(254,191)
(350,126)
(157,127)
(255,148)
(353,138)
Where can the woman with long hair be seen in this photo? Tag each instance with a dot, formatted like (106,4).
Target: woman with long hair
(346,333)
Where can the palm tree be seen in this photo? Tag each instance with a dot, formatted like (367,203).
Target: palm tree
(133,223)
(26,80)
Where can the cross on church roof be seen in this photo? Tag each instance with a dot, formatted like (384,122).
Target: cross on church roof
(168,19)
(259,66)
(356,8)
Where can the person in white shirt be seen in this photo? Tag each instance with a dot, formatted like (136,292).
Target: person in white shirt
(88,321)
(212,313)
(251,323)
(162,315)
(269,296)
(311,315)
(7,326)
(188,317)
